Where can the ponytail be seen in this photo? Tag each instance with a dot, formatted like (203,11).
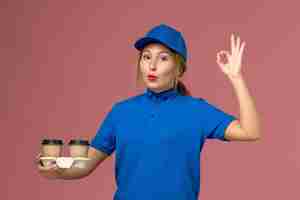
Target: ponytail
(183,89)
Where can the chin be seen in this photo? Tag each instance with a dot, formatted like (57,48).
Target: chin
(155,87)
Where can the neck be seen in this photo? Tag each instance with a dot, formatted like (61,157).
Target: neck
(160,90)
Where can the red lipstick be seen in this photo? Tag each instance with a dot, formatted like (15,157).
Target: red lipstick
(152,77)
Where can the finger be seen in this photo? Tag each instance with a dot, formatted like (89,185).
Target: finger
(40,165)
(38,156)
(37,160)
(219,58)
(43,168)
(242,49)
(238,44)
(232,44)
(48,164)
(220,62)
(221,65)
(219,54)
(223,53)
(48,168)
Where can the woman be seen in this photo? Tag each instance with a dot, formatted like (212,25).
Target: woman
(158,135)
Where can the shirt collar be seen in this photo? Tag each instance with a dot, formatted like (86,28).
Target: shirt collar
(163,95)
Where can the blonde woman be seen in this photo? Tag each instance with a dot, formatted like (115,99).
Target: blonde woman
(158,135)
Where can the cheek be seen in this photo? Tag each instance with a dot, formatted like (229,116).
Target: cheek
(142,68)
(143,71)
(168,70)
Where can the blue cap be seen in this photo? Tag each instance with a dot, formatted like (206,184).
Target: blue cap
(165,35)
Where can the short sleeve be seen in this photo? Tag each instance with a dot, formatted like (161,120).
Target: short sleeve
(105,140)
(215,121)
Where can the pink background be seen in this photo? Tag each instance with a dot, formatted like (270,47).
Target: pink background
(63,64)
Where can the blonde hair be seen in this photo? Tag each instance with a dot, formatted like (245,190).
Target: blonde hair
(181,66)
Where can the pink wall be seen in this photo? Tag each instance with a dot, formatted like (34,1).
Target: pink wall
(63,64)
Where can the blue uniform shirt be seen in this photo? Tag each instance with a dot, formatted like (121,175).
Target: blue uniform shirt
(157,139)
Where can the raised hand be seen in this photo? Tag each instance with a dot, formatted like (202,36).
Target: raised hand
(232,68)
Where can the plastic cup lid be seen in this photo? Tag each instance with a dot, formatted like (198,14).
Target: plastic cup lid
(52,142)
(79,142)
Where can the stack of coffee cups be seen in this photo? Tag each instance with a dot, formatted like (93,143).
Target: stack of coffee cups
(51,151)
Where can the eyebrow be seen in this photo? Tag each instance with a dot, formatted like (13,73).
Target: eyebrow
(163,51)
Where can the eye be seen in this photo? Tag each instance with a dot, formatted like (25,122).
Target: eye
(146,57)
(164,58)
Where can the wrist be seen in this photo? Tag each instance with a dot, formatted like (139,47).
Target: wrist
(236,79)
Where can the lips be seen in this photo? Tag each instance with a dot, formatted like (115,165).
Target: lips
(152,77)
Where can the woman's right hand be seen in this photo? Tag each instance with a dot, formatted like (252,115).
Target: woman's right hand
(50,171)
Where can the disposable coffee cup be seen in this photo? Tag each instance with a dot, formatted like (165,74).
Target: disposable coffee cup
(52,147)
(79,148)
(50,150)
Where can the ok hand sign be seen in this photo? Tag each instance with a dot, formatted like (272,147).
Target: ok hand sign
(232,68)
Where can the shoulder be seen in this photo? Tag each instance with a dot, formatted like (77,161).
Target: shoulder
(121,107)
(199,101)
(199,105)
(128,102)
(193,100)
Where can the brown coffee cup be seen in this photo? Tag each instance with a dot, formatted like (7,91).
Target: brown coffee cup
(51,148)
(79,147)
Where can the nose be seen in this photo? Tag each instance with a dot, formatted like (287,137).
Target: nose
(152,64)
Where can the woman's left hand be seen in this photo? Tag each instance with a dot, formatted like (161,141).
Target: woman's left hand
(232,68)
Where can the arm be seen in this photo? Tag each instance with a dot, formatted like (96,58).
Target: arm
(248,127)
(96,157)
(54,172)
(105,138)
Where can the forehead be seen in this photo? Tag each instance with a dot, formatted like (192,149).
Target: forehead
(156,47)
